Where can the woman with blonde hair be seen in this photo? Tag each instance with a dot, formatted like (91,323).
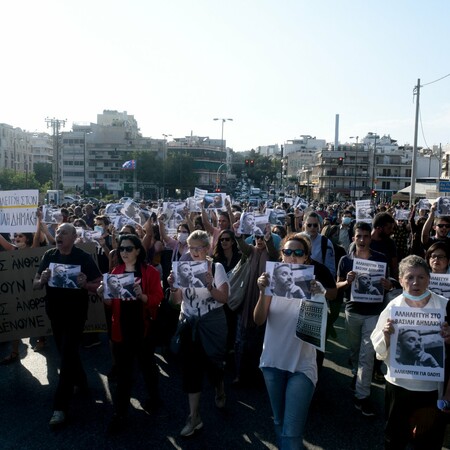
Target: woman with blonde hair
(202,330)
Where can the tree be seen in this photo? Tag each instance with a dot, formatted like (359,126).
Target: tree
(180,178)
(42,172)
(11,180)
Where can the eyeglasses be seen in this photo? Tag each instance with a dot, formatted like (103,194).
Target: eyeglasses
(197,249)
(297,252)
(127,249)
(18,236)
(314,225)
(258,238)
(438,257)
(443,225)
(225,239)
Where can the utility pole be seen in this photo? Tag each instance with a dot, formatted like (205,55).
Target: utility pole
(56,124)
(412,193)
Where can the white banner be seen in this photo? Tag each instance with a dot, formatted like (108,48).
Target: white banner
(18,211)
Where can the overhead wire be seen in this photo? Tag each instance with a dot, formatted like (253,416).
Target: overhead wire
(420,109)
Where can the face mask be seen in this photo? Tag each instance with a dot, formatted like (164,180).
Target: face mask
(413,298)
(346,220)
(182,238)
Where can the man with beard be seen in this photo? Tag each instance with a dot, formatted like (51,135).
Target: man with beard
(186,276)
(283,282)
(411,351)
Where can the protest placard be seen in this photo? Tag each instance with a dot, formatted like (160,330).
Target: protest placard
(367,285)
(440,284)
(416,347)
(312,321)
(64,276)
(18,211)
(22,309)
(190,273)
(119,286)
(364,211)
(289,280)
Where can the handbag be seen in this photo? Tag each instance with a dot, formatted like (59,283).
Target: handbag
(239,280)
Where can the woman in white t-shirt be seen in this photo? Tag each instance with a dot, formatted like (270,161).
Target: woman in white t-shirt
(203,331)
(288,364)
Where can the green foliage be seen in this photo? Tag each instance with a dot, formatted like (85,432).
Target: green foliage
(10,180)
(179,175)
(263,168)
(43,172)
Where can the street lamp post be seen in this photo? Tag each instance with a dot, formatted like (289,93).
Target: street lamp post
(217,175)
(164,164)
(356,166)
(227,156)
(375,136)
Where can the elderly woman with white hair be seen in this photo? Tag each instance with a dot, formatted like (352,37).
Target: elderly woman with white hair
(411,412)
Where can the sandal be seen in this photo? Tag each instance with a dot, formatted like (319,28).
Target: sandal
(14,356)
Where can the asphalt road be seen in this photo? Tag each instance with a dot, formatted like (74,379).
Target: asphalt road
(26,391)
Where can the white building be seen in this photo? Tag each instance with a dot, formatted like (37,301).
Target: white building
(15,149)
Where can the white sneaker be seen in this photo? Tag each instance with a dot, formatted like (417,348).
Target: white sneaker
(192,424)
(58,418)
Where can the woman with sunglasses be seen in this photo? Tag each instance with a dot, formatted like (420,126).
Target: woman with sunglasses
(132,331)
(227,253)
(203,334)
(287,363)
(322,249)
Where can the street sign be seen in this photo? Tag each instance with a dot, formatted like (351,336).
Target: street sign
(444,186)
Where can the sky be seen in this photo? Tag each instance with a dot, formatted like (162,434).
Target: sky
(279,68)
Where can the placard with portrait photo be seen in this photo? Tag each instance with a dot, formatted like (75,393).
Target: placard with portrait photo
(64,275)
(190,274)
(289,280)
(416,348)
(118,286)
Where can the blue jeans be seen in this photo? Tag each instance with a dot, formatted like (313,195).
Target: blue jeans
(290,395)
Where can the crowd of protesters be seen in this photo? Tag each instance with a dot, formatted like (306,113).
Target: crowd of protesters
(328,237)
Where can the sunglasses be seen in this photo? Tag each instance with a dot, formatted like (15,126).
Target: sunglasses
(127,249)
(225,239)
(259,238)
(18,236)
(314,225)
(443,225)
(297,252)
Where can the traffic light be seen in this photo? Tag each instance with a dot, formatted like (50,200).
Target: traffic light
(247,162)
(340,161)
(252,163)
(374,193)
